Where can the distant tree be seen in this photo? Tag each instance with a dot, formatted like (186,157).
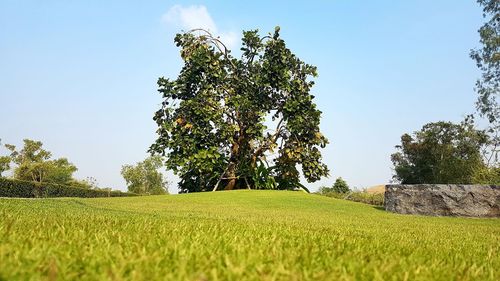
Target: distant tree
(33,163)
(60,171)
(4,162)
(212,124)
(441,152)
(340,186)
(144,177)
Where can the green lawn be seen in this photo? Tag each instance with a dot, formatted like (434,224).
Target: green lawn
(238,235)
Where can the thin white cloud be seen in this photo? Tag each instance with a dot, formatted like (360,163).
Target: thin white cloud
(230,39)
(197,16)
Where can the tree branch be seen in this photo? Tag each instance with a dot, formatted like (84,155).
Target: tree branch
(266,144)
(215,41)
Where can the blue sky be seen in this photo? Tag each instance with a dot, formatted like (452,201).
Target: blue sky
(81,75)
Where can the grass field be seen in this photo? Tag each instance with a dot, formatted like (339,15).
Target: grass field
(238,235)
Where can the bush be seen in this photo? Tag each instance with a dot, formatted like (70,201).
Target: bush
(340,186)
(487,175)
(29,189)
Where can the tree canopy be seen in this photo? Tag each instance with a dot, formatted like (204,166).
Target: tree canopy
(246,122)
(33,163)
(144,177)
(442,152)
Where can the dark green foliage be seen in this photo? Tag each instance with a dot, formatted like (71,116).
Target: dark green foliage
(29,189)
(340,186)
(441,152)
(17,188)
(211,123)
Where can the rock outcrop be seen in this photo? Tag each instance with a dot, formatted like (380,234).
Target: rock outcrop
(443,200)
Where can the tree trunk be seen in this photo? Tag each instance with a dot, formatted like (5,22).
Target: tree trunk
(233,160)
(231,175)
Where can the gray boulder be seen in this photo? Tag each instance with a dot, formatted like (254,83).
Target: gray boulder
(443,200)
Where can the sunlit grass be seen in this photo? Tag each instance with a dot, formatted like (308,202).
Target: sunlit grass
(238,235)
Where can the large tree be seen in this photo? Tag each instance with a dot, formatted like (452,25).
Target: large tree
(33,163)
(488,86)
(442,152)
(144,177)
(247,122)
(488,61)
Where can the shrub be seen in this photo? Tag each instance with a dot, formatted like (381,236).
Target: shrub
(28,189)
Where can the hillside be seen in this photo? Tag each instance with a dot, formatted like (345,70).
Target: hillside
(376,189)
(238,235)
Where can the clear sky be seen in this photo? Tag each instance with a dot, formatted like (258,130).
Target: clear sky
(81,75)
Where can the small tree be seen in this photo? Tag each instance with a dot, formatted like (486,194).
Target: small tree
(340,186)
(144,177)
(441,152)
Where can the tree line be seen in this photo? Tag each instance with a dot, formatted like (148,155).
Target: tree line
(33,163)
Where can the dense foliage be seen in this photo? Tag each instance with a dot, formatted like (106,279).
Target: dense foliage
(340,186)
(267,235)
(443,152)
(213,123)
(144,177)
(33,163)
(30,189)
